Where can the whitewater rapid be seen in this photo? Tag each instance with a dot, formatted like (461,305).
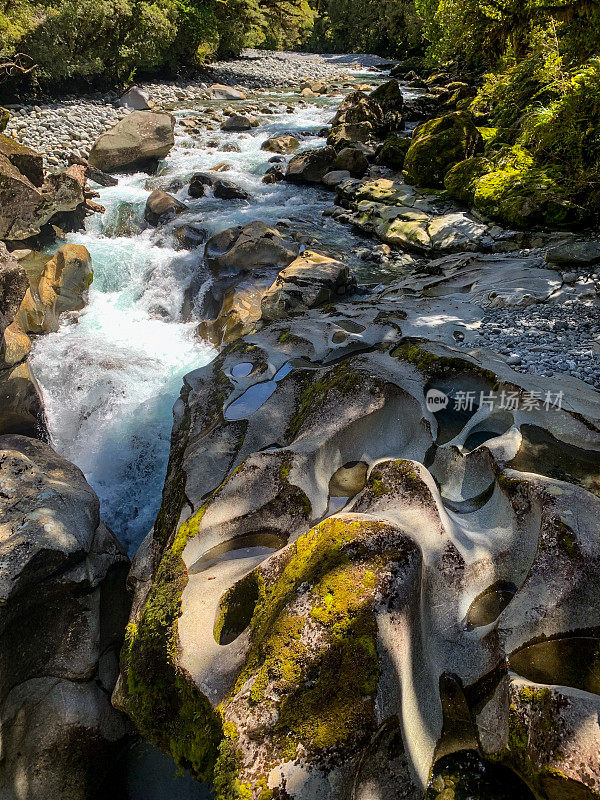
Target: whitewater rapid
(110,375)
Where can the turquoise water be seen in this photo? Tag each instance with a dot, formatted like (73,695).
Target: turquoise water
(110,375)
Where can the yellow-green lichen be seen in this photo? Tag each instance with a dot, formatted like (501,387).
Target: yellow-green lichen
(165,705)
(325,693)
(435,366)
(342,378)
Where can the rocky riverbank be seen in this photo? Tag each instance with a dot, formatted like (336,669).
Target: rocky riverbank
(376,548)
(61,128)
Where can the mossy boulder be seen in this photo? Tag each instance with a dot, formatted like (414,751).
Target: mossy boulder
(439,144)
(393,152)
(389,96)
(514,190)
(4,117)
(460,179)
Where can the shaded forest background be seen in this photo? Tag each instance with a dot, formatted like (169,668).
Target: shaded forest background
(58,39)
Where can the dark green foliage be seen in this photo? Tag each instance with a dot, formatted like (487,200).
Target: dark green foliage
(387,27)
(112,39)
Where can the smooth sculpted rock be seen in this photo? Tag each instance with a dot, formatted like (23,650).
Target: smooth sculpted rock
(161,207)
(245,248)
(321,615)
(438,145)
(61,287)
(311,166)
(137,142)
(64,605)
(309,281)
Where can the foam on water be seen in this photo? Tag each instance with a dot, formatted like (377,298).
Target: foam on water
(110,375)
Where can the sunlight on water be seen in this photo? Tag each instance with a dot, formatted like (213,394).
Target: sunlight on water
(111,374)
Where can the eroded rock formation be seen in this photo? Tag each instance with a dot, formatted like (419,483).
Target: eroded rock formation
(335,564)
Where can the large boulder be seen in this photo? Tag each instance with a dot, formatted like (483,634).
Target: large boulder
(232,310)
(438,145)
(135,99)
(161,207)
(389,96)
(63,609)
(310,280)
(245,248)
(20,405)
(238,122)
(228,190)
(61,287)
(27,161)
(311,165)
(358,119)
(284,143)
(514,189)
(25,208)
(136,142)
(365,118)
(219,91)
(353,160)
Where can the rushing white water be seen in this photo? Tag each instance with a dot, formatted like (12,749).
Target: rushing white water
(111,373)
(109,377)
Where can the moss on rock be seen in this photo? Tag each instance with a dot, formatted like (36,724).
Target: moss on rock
(461,179)
(439,144)
(393,152)
(167,708)
(316,658)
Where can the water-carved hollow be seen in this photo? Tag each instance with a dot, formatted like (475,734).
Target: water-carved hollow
(487,607)
(254,544)
(236,609)
(573,661)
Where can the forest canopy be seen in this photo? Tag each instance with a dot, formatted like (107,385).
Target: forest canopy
(52,40)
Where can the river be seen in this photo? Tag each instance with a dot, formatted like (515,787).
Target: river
(110,375)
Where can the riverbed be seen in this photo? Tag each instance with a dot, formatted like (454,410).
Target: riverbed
(110,375)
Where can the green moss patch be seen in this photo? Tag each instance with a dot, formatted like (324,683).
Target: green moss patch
(166,707)
(320,665)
